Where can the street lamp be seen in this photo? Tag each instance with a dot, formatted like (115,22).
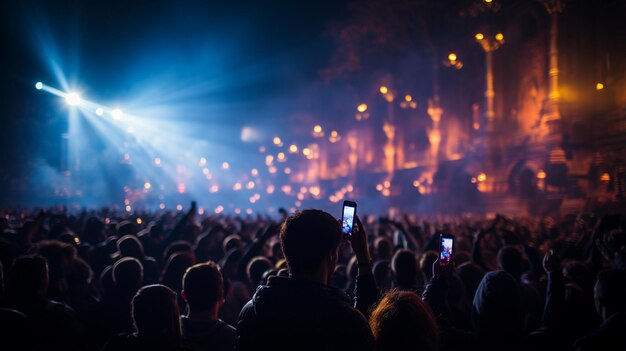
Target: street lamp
(489,45)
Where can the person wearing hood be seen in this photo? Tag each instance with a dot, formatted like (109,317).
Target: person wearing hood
(497,312)
(303,311)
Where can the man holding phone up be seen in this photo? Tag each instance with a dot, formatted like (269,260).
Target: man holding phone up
(302,312)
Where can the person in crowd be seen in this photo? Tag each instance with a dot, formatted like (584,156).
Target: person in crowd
(203,290)
(173,272)
(156,322)
(403,321)
(309,314)
(405,270)
(498,313)
(130,246)
(54,324)
(610,299)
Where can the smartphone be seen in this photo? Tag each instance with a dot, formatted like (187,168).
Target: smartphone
(446,244)
(347,217)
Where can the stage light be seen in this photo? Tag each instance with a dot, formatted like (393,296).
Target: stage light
(384,90)
(39,85)
(362,108)
(72,99)
(117,114)
(99,111)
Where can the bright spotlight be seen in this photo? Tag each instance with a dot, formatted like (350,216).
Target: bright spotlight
(99,111)
(72,99)
(39,85)
(117,114)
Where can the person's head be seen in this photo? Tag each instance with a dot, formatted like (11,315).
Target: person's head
(175,268)
(130,246)
(609,292)
(404,268)
(29,276)
(126,228)
(128,275)
(255,269)
(58,255)
(403,321)
(176,246)
(79,274)
(310,241)
(510,260)
(426,264)
(203,287)
(383,248)
(155,312)
(471,274)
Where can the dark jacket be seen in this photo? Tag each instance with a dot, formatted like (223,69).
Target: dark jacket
(294,314)
(209,335)
(611,335)
(134,342)
(497,312)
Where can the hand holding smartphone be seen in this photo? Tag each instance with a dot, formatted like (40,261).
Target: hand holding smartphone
(446,245)
(348,213)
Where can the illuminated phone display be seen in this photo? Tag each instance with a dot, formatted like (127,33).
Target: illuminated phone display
(446,244)
(347,217)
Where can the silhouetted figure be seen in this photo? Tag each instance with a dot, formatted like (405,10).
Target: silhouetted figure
(156,321)
(310,314)
(173,272)
(203,289)
(405,270)
(610,298)
(498,314)
(55,325)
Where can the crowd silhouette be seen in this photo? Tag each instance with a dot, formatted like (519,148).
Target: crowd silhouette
(108,280)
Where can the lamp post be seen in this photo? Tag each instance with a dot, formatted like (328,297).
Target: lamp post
(554,7)
(489,45)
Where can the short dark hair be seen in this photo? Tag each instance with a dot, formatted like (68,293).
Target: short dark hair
(307,237)
(404,267)
(203,285)
(128,273)
(155,312)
